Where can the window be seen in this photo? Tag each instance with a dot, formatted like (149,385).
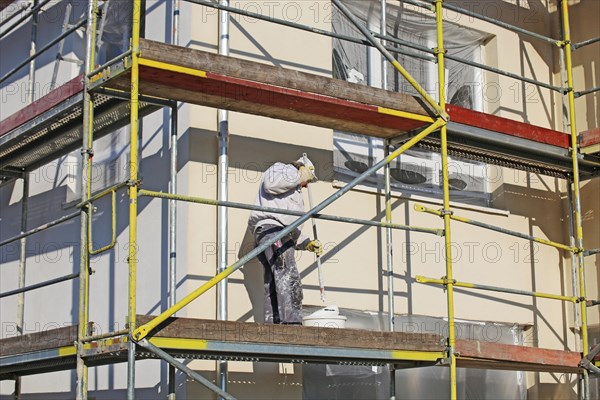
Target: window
(418,171)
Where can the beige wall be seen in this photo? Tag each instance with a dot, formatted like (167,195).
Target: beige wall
(354,258)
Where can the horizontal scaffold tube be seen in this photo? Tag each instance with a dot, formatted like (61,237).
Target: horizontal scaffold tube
(142,331)
(586,92)
(102,193)
(40,285)
(43,49)
(497,22)
(453,217)
(423,279)
(22,19)
(307,28)
(201,200)
(585,43)
(41,228)
(105,335)
(591,252)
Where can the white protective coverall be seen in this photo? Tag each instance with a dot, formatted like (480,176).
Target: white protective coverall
(280,188)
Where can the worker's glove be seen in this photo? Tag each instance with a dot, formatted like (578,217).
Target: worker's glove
(306,174)
(315,246)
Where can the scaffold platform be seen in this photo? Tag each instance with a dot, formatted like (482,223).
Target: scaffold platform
(189,338)
(51,126)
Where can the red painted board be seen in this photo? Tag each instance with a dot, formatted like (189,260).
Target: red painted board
(41,105)
(522,354)
(589,138)
(275,96)
(508,126)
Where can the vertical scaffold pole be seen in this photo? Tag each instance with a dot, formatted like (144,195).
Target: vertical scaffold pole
(390,263)
(133,193)
(223,190)
(173,203)
(22,271)
(576,193)
(440,52)
(173,232)
(86,190)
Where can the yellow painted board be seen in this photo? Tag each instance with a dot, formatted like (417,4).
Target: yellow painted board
(172,67)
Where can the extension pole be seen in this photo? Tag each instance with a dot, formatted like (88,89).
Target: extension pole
(316,237)
(133,193)
(223,194)
(576,193)
(440,52)
(86,191)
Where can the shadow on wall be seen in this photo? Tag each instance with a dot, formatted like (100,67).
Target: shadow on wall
(542,207)
(253,154)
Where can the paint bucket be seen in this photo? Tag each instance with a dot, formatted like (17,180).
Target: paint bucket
(328,317)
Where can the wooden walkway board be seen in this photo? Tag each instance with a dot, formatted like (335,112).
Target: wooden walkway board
(474,353)
(207,79)
(45,340)
(231,331)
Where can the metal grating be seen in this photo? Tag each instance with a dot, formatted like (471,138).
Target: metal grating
(60,132)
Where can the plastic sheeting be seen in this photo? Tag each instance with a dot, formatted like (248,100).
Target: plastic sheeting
(372,382)
(352,61)
(416,171)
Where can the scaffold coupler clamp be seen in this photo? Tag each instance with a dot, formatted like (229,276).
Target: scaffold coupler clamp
(567,90)
(437,51)
(444,212)
(587,360)
(448,360)
(133,182)
(89,151)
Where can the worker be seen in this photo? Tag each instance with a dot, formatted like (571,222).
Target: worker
(281,187)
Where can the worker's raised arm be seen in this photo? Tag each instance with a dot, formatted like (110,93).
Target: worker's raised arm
(280,178)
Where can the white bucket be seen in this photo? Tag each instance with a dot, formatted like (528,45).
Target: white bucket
(328,317)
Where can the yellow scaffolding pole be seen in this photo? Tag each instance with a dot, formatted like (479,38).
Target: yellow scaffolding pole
(133,193)
(440,53)
(468,285)
(576,194)
(420,208)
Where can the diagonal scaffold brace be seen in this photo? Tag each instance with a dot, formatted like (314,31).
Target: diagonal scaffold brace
(184,368)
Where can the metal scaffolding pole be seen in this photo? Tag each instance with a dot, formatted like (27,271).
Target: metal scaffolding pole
(468,285)
(390,262)
(574,276)
(223,194)
(173,230)
(576,193)
(251,207)
(86,189)
(173,204)
(22,268)
(133,193)
(439,110)
(440,52)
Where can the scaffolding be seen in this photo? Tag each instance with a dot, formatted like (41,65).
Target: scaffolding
(114,89)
